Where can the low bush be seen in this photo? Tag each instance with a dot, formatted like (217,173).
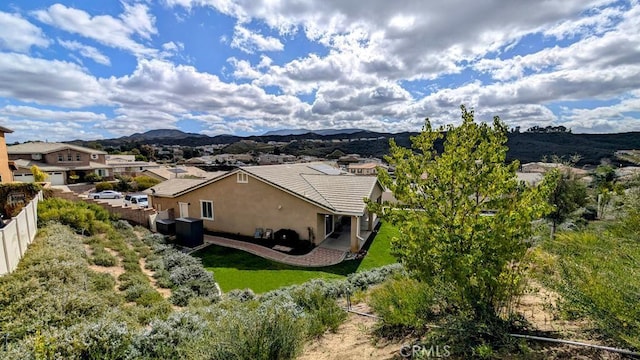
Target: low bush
(102,257)
(102,282)
(165,339)
(404,304)
(102,186)
(92,178)
(83,217)
(272,330)
(144,182)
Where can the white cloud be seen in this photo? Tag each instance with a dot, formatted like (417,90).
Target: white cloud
(34,113)
(24,130)
(48,82)
(19,34)
(86,51)
(105,29)
(250,42)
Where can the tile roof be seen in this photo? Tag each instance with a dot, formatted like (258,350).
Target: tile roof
(47,147)
(166,173)
(318,183)
(26,164)
(5,130)
(338,191)
(173,187)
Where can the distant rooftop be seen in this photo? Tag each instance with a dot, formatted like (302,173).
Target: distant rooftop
(47,147)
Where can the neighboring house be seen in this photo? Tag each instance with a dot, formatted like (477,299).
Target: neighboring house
(120,158)
(272,159)
(64,163)
(6,167)
(127,165)
(164,173)
(314,199)
(363,169)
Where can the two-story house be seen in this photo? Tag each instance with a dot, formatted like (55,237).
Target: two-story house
(63,163)
(5,166)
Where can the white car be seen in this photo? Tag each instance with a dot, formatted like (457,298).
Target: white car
(105,194)
(133,199)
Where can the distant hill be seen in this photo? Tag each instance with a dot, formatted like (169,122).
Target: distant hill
(160,134)
(285,132)
(526,147)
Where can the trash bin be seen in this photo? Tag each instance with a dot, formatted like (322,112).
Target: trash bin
(189,232)
(166,226)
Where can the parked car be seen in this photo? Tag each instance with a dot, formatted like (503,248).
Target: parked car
(136,199)
(106,194)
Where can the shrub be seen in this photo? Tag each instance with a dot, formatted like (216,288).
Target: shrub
(323,313)
(404,304)
(102,281)
(84,217)
(241,295)
(145,182)
(163,338)
(92,178)
(102,257)
(270,331)
(101,186)
(104,339)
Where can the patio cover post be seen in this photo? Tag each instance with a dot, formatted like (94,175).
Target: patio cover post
(355,246)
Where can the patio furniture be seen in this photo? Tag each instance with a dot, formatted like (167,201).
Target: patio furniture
(268,234)
(258,233)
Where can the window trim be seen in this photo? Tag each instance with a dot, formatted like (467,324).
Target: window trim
(242,178)
(202,212)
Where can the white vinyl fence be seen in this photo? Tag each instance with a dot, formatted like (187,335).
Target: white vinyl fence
(17,235)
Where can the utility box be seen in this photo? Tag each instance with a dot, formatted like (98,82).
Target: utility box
(189,232)
(166,226)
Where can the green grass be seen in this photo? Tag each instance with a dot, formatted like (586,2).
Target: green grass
(235,269)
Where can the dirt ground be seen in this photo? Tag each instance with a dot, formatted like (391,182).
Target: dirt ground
(355,340)
(352,341)
(118,270)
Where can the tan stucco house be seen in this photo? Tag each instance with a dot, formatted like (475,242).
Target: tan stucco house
(314,199)
(60,161)
(5,169)
(66,163)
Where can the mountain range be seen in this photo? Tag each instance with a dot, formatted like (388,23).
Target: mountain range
(525,146)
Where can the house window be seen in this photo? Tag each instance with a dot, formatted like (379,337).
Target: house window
(77,157)
(69,157)
(60,158)
(243,178)
(206,208)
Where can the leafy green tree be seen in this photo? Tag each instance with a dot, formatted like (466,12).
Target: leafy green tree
(567,194)
(606,186)
(38,175)
(465,217)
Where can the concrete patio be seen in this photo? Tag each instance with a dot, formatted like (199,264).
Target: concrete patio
(318,257)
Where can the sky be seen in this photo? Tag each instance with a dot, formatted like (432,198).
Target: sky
(104,69)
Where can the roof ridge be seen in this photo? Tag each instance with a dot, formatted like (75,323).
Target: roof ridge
(333,207)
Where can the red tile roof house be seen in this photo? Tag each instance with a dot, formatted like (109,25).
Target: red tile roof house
(319,202)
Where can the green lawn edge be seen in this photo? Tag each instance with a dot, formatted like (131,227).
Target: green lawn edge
(236,269)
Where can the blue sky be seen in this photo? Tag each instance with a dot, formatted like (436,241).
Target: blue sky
(104,69)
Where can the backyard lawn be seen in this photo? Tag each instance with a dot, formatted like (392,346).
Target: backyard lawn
(235,269)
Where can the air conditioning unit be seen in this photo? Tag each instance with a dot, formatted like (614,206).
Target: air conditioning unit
(36,156)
